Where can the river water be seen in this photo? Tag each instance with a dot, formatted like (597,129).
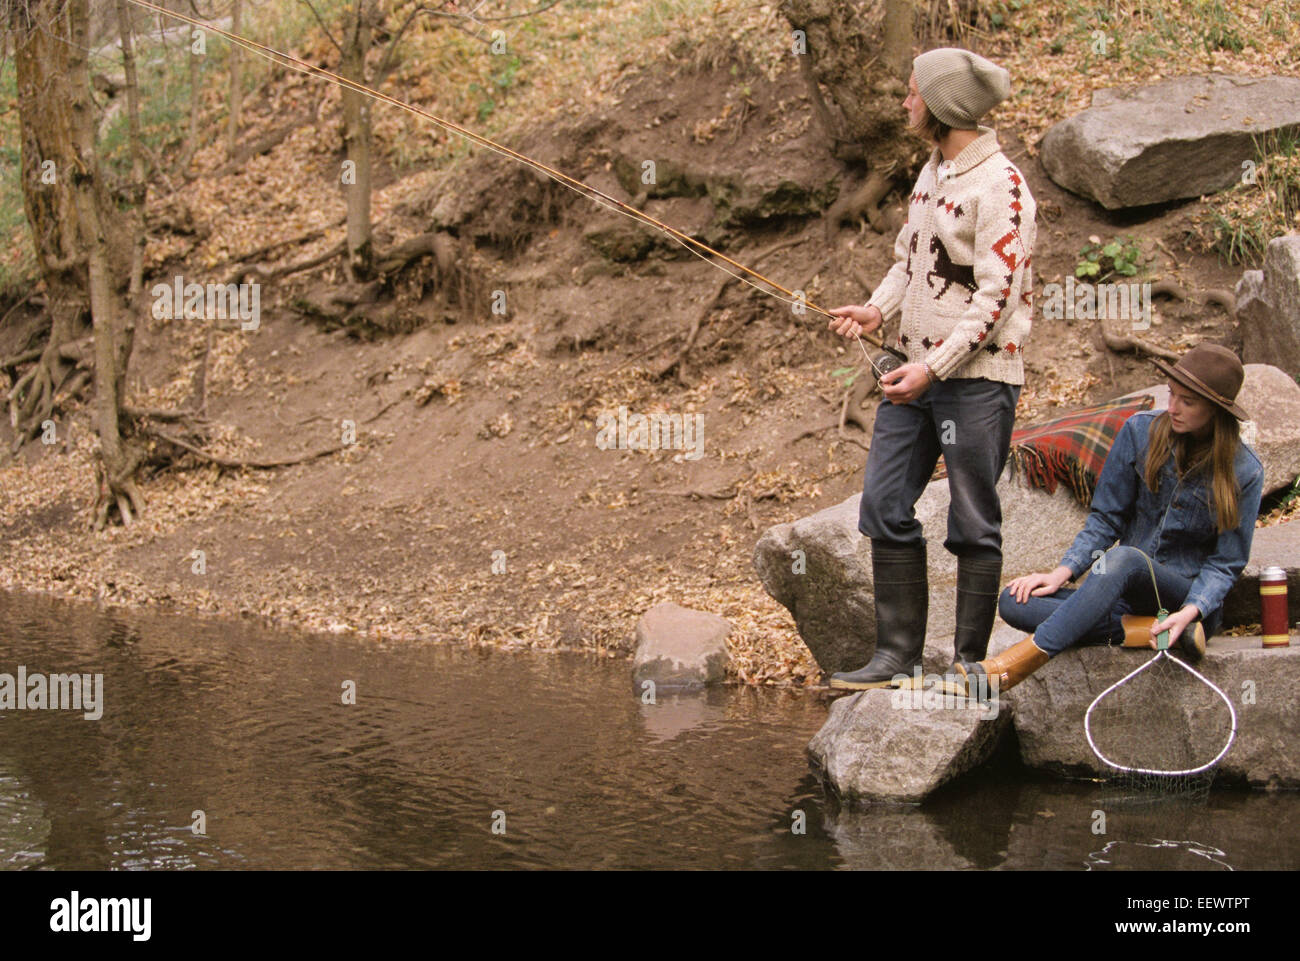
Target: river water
(453,757)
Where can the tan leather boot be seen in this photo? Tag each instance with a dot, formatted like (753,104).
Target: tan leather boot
(1005,670)
(1137,633)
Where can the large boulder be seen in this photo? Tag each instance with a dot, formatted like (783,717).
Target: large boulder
(679,649)
(1272,399)
(1179,138)
(902,745)
(1263,685)
(820,567)
(1268,308)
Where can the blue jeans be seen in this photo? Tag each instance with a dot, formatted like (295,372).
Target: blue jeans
(967,420)
(1119,583)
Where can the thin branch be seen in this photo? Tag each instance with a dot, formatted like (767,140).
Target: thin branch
(267,276)
(458,19)
(509,16)
(326,30)
(17,303)
(389,62)
(262,251)
(239,461)
(716,495)
(165,415)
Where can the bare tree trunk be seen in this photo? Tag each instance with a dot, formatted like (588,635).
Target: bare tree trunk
(897,45)
(139,186)
(119,458)
(356,136)
(41,54)
(196,100)
(167,57)
(236,87)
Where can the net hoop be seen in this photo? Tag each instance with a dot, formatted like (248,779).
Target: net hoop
(1232,733)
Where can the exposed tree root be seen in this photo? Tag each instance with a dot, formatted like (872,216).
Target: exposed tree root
(1168,288)
(32,397)
(863,201)
(119,490)
(260,252)
(850,410)
(268,276)
(235,462)
(1224,298)
(1212,295)
(1127,343)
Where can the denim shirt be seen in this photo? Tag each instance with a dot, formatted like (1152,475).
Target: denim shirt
(1174,526)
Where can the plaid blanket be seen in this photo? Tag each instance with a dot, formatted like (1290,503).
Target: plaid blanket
(1070,449)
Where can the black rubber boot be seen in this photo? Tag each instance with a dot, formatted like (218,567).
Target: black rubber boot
(902,603)
(978,586)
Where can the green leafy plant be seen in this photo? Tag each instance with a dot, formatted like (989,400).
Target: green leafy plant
(486,105)
(850,374)
(1118,257)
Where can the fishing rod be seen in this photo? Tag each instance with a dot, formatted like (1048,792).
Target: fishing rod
(880,368)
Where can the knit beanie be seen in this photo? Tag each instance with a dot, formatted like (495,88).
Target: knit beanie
(959,86)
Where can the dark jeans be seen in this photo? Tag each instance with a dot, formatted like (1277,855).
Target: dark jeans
(1118,583)
(968,421)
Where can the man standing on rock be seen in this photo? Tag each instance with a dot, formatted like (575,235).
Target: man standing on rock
(964,287)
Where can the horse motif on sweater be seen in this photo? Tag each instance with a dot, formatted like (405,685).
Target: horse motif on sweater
(948,271)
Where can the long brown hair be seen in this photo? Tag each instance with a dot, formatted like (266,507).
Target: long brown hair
(1217,455)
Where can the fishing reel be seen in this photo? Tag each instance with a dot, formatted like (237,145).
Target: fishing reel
(885,361)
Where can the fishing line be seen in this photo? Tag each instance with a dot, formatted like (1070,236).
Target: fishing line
(586,190)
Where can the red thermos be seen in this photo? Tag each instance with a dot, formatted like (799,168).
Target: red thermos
(1272,607)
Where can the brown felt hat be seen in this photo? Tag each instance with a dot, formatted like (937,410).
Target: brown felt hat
(1212,371)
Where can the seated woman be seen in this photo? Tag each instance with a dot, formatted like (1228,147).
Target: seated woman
(1180,488)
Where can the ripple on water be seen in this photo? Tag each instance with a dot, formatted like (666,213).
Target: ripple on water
(446,743)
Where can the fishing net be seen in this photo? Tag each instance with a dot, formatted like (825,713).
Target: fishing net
(1161,730)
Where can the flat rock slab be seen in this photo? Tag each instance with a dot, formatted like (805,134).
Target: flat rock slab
(679,649)
(1275,546)
(1179,138)
(1049,707)
(890,746)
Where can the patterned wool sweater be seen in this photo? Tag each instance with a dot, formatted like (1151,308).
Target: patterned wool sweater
(963,281)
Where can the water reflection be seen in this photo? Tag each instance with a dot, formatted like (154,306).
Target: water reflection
(674,714)
(24,829)
(247,729)
(1119,854)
